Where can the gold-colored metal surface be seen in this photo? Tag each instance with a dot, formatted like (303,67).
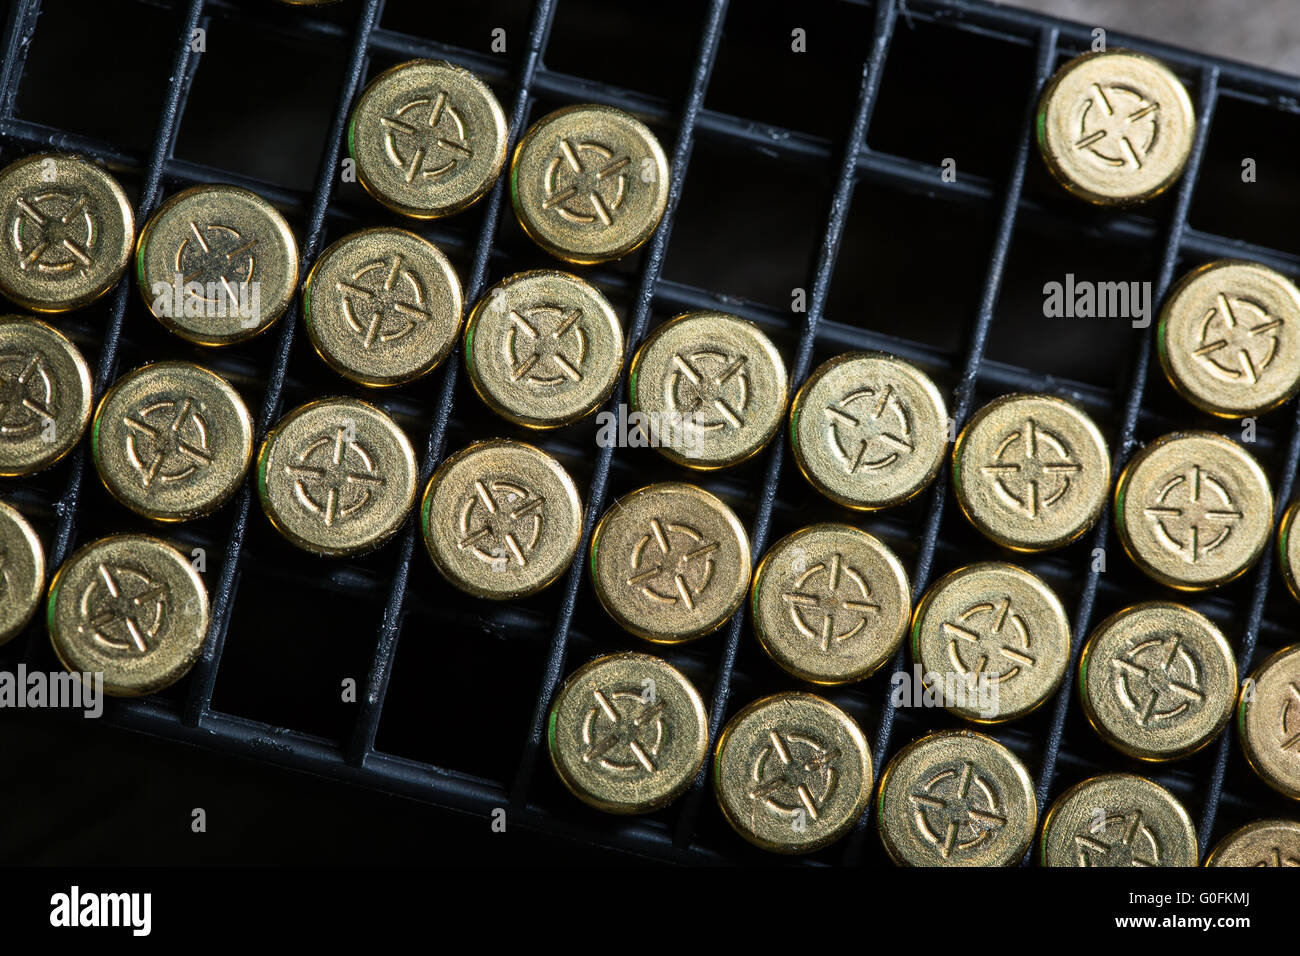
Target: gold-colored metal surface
(1229,338)
(68,232)
(992,639)
(670,562)
(1031,472)
(868,430)
(44,395)
(1262,843)
(428,138)
(712,389)
(1158,680)
(1268,721)
(1288,549)
(216,264)
(336,476)
(1115,127)
(1117,819)
(830,603)
(382,306)
(1193,510)
(131,607)
(792,773)
(543,348)
(956,798)
(627,733)
(22,561)
(501,519)
(171,441)
(589,183)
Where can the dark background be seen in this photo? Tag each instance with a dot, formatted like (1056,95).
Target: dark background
(910,271)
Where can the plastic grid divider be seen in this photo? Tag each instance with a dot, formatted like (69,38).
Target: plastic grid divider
(204,675)
(150,191)
(363,738)
(357,759)
(882,33)
(1126,441)
(702,70)
(964,392)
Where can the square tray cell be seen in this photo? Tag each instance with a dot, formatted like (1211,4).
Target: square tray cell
(738,209)
(911,266)
(797,69)
(464,685)
(299,628)
(233,107)
(627,44)
(933,108)
(1249,187)
(1068,305)
(99,69)
(468,26)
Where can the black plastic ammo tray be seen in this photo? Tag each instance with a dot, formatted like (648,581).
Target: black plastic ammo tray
(817,171)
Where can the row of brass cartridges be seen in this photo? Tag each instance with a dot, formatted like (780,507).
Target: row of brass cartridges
(695,399)
(868,430)
(1113,127)
(337,476)
(215,264)
(429,155)
(588,183)
(198,272)
(428,139)
(1117,128)
(792,773)
(311,503)
(830,604)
